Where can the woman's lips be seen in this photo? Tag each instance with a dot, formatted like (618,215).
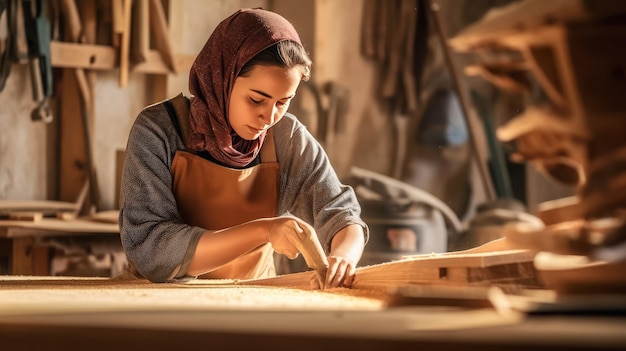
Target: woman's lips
(255,130)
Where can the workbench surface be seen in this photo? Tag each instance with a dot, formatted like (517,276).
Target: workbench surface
(97,314)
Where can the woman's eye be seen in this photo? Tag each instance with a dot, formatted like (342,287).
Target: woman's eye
(255,101)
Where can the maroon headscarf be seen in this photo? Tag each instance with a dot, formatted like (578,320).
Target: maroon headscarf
(234,42)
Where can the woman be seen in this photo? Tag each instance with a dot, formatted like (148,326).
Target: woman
(214,184)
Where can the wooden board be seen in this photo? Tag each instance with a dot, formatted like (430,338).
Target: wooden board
(510,268)
(35,211)
(576,237)
(571,274)
(56,294)
(111,216)
(55,227)
(10,206)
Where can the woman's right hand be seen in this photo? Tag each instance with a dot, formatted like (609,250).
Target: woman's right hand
(284,233)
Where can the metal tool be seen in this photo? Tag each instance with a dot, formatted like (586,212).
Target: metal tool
(37,29)
(7,57)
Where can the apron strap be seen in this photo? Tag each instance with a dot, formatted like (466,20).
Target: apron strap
(178,110)
(268,150)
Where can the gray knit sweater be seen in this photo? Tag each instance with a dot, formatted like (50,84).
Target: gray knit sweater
(156,240)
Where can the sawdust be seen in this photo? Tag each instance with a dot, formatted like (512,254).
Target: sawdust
(83,295)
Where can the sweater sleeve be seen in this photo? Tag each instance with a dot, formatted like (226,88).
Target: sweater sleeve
(155,239)
(310,188)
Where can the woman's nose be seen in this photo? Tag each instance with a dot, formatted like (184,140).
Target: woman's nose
(268,115)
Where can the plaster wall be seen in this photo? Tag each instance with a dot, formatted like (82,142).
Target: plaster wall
(331,32)
(28,150)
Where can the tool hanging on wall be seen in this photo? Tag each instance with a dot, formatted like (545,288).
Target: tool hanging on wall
(464,99)
(7,57)
(71,16)
(37,29)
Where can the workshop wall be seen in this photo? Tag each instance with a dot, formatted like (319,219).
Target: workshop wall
(27,149)
(29,160)
(363,133)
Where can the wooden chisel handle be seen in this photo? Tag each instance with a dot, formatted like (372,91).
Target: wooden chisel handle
(314,256)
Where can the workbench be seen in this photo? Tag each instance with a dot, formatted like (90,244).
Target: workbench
(52,313)
(23,244)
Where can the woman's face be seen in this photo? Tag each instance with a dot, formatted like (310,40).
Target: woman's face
(260,100)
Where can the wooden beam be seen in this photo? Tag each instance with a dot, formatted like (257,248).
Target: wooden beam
(22,256)
(140,31)
(159,27)
(156,65)
(125,44)
(74,55)
(509,268)
(102,57)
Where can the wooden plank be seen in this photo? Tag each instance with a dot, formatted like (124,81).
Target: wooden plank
(579,275)
(72,169)
(560,210)
(56,227)
(155,63)
(66,216)
(103,57)
(505,21)
(125,44)
(474,259)
(26,216)
(158,25)
(6,251)
(87,9)
(508,267)
(75,55)
(21,258)
(505,273)
(117,9)
(301,280)
(106,216)
(120,154)
(73,24)
(429,295)
(41,260)
(157,90)
(140,31)
(44,206)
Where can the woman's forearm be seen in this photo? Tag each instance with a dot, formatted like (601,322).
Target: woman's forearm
(349,243)
(217,248)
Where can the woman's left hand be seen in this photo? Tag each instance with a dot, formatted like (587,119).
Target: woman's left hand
(340,272)
(345,252)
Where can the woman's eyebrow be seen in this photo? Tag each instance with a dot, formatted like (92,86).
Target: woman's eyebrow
(262,93)
(269,96)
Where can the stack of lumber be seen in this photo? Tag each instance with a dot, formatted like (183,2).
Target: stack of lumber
(575,255)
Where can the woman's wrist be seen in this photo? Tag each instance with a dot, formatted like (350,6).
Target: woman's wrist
(348,243)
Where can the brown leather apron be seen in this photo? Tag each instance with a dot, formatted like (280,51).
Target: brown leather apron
(215,197)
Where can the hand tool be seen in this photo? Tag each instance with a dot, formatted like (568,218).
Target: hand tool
(37,29)
(8,56)
(313,254)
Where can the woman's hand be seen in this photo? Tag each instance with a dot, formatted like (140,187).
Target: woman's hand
(285,233)
(340,272)
(346,250)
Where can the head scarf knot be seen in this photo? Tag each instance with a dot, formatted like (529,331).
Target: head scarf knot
(234,42)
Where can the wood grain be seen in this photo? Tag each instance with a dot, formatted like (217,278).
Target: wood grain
(508,268)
